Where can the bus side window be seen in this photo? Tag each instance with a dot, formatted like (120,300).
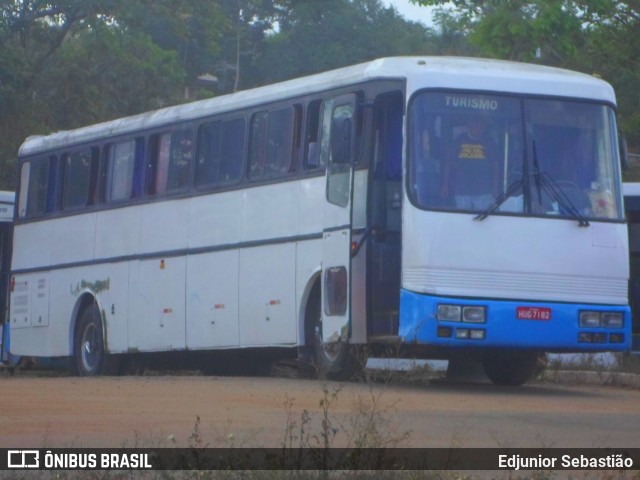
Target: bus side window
(208,156)
(36,187)
(169,164)
(120,160)
(272,142)
(220,153)
(179,162)
(312,128)
(79,178)
(257,145)
(232,151)
(279,146)
(25,174)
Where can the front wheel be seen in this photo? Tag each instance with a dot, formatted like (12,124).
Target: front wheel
(90,356)
(512,369)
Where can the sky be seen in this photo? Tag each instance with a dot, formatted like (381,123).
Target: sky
(415,13)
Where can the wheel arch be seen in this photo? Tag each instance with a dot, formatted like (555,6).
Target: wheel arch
(313,287)
(84,301)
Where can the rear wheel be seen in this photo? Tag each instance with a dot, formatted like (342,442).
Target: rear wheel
(512,369)
(90,356)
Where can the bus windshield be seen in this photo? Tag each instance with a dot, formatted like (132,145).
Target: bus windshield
(503,154)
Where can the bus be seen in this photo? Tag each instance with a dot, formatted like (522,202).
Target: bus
(631,191)
(440,207)
(7,200)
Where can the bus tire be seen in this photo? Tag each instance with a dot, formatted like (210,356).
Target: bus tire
(91,358)
(511,369)
(332,361)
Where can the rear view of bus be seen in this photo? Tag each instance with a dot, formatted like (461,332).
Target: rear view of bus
(514,241)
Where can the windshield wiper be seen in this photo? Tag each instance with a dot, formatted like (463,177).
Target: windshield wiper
(499,200)
(543,181)
(556,192)
(546,181)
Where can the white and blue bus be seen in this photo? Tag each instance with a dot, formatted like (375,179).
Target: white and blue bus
(447,206)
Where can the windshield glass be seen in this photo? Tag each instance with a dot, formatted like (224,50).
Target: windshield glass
(502,154)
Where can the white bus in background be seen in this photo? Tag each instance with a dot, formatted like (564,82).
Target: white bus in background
(7,200)
(319,215)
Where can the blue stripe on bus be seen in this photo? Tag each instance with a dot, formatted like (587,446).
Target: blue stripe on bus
(418,325)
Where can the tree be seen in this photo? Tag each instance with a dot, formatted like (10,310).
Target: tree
(593,36)
(318,36)
(68,63)
(519,29)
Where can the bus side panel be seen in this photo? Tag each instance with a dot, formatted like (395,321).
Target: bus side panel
(73,239)
(157,306)
(164,226)
(117,232)
(267,271)
(212,300)
(35,244)
(267,290)
(215,220)
(29,315)
(312,196)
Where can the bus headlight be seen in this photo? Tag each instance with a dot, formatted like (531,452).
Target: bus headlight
(591,319)
(449,313)
(473,314)
(462,313)
(611,319)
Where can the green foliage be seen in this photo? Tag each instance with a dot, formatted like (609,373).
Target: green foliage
(318,36)
(66,63)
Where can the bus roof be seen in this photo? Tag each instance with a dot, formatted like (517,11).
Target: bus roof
(419,72)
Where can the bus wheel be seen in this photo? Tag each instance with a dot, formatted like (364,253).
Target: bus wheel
(333,360)
(90,356)
(511,369)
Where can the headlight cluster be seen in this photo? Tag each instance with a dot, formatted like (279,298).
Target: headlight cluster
(461,313)
(592,319)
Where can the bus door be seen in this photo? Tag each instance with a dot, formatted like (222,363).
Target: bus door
(337,148)
(385,213)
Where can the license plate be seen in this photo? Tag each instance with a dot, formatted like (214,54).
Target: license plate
(533,313)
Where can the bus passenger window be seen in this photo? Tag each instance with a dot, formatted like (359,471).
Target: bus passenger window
(79,178)
(232,151)
(36,187)
(257,145)
(271,145)
(120,166)
(169,164)
(279,146)
(208,157)
(220,152)
(311,157)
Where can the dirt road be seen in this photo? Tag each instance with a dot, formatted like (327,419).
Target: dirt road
(234,411)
